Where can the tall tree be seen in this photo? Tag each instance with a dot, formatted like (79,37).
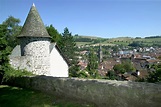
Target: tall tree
(92,64)
(68,47)
(92,60)
(13,30)
(4,51)
(55,36)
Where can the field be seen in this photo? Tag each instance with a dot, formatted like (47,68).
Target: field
(19,97)
(117,41)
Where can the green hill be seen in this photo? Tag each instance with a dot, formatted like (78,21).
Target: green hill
(91,40)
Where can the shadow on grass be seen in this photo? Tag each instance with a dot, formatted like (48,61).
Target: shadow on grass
(19,97)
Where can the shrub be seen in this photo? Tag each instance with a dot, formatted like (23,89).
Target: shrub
(11,72)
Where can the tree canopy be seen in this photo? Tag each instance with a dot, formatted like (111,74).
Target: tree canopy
(126,66)
(12,30)
(92,64)
(55,35)
(156,75)
(4,51)
(68,48)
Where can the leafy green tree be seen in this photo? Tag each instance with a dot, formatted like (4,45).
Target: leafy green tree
(128,66)
(68,47)
(119,68)
(4,51)
(92,64)
(55,36)
(13,30)
(156,75)
(92,61)
(125,66)
(136,44)
(9,30)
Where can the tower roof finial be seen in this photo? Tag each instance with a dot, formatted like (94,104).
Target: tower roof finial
(33,4)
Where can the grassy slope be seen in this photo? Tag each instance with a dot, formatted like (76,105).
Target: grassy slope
(18,97)
(122,40)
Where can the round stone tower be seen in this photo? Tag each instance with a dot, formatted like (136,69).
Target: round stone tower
(35,42)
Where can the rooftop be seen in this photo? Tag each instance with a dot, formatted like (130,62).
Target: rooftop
(33,26)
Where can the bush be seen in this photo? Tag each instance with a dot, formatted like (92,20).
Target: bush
(111,75)
(11,72)
(155,76)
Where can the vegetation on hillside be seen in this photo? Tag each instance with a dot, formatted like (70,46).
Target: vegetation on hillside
(125,41)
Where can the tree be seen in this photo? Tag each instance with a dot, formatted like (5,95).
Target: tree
(119,68)
(128,66)
(136,44)
(4,51)
(13,30)
(55,36)
(68,47)
(125,66)
(115,48)
(92,64)
(156,75)
(92,61)
(9,30)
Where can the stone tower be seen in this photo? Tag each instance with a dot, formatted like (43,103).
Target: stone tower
(35,42)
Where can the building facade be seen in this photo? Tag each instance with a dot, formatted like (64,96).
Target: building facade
(35,52)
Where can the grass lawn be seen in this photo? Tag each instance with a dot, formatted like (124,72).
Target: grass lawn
(19,97)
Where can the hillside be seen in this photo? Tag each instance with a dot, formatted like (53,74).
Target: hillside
(91,40)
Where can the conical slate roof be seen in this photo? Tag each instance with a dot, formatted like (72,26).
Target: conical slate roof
(33,26)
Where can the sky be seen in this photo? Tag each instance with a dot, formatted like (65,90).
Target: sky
(101,18)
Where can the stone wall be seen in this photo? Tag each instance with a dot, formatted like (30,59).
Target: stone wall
(22,62)
(34,46)
(103,93)
(35,55)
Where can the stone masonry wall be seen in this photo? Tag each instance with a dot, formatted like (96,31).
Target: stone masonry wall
(103,93)
(22,62)
(38,50)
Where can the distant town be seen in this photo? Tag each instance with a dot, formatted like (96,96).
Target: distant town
(137,52)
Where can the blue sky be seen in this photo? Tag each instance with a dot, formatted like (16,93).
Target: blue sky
(102,18)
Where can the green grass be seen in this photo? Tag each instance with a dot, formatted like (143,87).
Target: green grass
(19,97)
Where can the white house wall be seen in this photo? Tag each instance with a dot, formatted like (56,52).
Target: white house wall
(58,66)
